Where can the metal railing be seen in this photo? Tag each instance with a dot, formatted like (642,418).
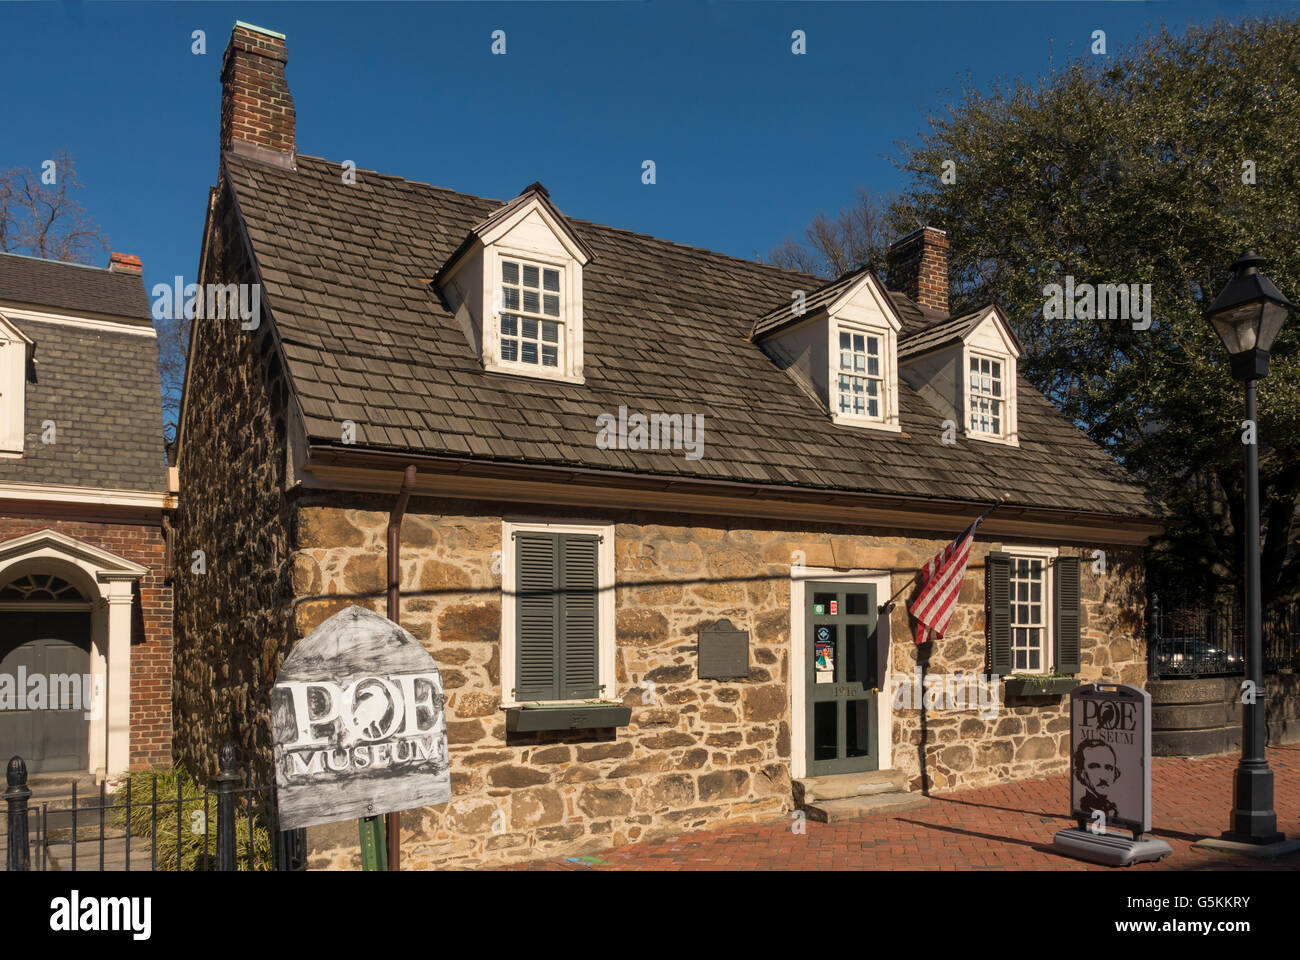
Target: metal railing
(123,830)
(1208,640)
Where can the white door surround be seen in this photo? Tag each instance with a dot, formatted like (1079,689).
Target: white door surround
(108,581)
(799,660)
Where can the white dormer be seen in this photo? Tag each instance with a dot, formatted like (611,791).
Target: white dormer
(841,344)
(516,286)
(15,353)
(967,369)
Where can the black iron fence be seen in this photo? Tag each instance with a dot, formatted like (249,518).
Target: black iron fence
(171,825)
(1200,640)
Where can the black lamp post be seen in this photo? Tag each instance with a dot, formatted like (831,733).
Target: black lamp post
(1247,316)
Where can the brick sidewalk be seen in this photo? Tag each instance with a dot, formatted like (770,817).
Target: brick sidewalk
(993,828)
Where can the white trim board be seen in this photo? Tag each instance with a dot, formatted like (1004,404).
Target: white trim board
(100,322)
(61,493)
(798,661)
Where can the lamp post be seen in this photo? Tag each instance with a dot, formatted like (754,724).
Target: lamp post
(1247,316)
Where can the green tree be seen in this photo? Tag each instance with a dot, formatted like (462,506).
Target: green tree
(1157,166)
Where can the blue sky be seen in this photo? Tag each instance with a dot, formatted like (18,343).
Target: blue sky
(749,140)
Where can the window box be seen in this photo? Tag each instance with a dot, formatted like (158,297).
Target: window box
(567,716)
(1043,685)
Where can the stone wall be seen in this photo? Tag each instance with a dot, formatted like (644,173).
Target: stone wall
(232,618)
(1192,717)
(697,753)
(1028,736)
(151,622)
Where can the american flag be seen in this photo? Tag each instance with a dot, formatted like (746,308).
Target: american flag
(941,583)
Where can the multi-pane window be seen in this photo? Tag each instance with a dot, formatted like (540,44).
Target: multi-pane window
(986,396)
(861,383)
(530,313)
(1028,582)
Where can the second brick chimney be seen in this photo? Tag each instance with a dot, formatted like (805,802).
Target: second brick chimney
(917,265)
(125,263)
(257,116)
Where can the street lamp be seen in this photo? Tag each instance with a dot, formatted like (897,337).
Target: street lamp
(1247,316)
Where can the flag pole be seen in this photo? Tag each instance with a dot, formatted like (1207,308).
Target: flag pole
(980,519)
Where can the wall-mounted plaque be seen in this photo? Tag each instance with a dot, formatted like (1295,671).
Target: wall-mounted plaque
(723,652)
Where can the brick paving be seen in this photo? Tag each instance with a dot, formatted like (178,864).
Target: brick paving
(1007,827)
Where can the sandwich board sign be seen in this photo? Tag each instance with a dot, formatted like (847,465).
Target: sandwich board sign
(358,723)
(1110,775)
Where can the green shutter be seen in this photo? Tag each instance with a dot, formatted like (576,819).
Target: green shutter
(538,620)
(557,630)
(1067,615)
(579,620)
(997,613)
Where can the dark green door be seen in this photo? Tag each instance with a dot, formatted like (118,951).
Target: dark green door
(841,678)
(53,735)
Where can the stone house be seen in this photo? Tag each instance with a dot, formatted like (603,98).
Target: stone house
(620,442)
(85,595)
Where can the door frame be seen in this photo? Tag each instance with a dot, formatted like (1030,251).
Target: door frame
(799,654)
(108,581)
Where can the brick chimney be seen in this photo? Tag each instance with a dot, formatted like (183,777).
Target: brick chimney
(125,263)
(917,265)
(257,117)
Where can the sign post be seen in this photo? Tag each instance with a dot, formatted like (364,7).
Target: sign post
(1110,776)
(359,728)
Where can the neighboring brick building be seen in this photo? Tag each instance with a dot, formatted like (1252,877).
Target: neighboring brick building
(550,556)
(84,584)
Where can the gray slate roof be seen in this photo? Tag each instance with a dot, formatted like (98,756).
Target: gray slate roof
(72,287)
(666,330)
(100,387)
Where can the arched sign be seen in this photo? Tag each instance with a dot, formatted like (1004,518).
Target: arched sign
(358,722)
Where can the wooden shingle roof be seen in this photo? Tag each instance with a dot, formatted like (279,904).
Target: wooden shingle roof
(666,330)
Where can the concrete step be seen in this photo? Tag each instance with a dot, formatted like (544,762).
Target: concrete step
(840,786)
(52,787)
(858,808)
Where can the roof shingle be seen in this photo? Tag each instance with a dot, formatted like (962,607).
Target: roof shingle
(666,330)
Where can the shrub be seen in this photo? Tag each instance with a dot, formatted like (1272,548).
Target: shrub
(185,852)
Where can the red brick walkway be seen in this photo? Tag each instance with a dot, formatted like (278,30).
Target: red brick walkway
(993,828)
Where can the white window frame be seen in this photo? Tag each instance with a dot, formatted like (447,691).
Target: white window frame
(14,350)
(888,417)
(570,318)
(1048,556)
(606,646)
(521,314)
(1010,428)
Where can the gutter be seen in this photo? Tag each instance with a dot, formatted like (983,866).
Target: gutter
(393,821)
(332,455)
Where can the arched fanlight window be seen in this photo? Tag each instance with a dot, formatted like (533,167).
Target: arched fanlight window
(40,586)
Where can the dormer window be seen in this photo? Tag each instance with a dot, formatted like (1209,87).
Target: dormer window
(861,383)
(840,344)
(986,395)
(515,285)
(15,352)
(531,327)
